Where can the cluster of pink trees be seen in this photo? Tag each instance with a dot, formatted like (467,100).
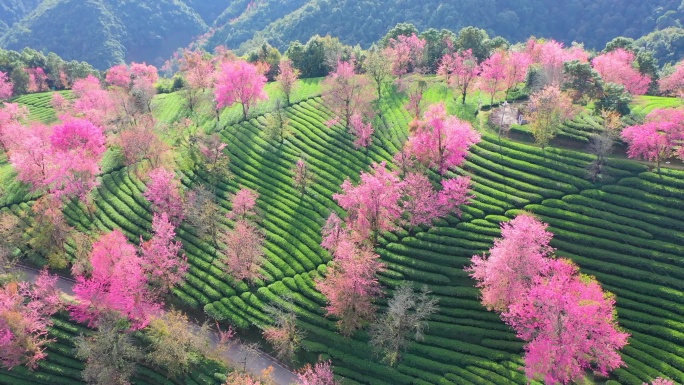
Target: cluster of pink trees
(672,84)
(550,56)
(321,374)
(25,311)
(565,317)
(117,283)
(503,71)
(233,80)
(62,160)
(37,80)
(127,280)
(618,67)
(406,54)
(658,138)
(383,201)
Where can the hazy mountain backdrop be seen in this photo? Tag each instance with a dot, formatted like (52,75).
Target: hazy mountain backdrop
(106,32)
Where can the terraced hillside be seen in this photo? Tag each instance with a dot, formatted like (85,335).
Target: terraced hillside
(61,367)
(627,231)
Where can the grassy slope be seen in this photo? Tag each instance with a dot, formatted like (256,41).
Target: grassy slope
(626,233)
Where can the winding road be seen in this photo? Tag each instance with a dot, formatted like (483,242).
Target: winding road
(237,354)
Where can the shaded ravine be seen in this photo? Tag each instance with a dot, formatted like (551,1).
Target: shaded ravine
(236,353)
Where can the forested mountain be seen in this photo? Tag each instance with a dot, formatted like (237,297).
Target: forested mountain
(12,11)
(365,21)
(105,32)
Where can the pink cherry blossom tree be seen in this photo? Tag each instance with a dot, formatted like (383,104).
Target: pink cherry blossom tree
(363,132)
(351,285)
(507,274)
(161,259)
(455,192)
(319,374)
(117,283)
(287,78)
(94,103)
(163,192)
(37,80)
(239,82)
(197,68)
(617,66)
(373,205)
(672,84)
(244,250)
(421,202)
(77,147)
(569,325)
(441,141)
(405,53)
(493,74)
(59,103)
(124,76)
(10,127)
(516,65)
(6,86)
(658,138)
(348,94)
(119,76)
(144,71)
(25,312)
(243,205)
(30,153)
(551,56)
(661,381)
(459,70)
(141,143)
(447,66)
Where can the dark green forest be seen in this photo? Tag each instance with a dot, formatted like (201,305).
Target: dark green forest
(107,32)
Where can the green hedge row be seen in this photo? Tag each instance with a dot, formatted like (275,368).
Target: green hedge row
(654,187)
(632,256)
(622,206)
(486,171)
(616,197)
(505,169)
(570,182)
(501,191)
(590,222)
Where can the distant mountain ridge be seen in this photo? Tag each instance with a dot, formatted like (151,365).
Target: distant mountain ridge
(107,32)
